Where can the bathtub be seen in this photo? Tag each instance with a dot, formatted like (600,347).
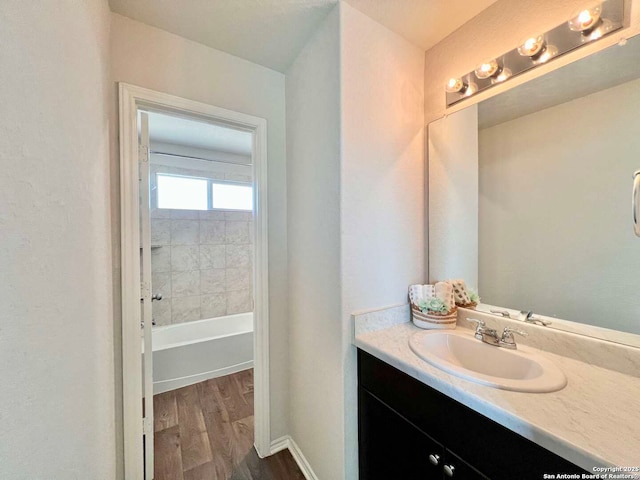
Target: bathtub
(188,353)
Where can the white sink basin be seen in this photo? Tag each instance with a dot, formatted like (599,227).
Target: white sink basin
(460,353)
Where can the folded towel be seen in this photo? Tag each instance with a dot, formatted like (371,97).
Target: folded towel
(416,294)
(460,292)
(444,291)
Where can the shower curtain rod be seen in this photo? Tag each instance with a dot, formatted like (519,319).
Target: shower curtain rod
(153,152)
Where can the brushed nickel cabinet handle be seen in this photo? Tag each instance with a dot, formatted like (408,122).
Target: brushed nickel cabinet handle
(449,470)
(434,459)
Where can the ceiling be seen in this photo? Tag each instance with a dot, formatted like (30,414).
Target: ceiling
(272,32)
(608,68)
(422,22)
(266,32)
(200,135)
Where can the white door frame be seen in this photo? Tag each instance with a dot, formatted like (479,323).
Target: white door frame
(132,97)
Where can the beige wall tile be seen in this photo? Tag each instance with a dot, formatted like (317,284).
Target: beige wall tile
(185,258)
(161,283)
(161,232)
(238,279)
(212,232)
(213,280)
(239,302)
(185,284)
(212,256)
(185,309)
(214,305)
(239,256)
(162,312)
(161,259)
(237,233)
(184,232)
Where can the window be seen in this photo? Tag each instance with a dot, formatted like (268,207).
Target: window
(182,193)
(193,193)
(229,196)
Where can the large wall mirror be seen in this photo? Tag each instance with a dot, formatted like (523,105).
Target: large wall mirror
(530,195)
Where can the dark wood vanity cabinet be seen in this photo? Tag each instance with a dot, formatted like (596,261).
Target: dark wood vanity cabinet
(408,430)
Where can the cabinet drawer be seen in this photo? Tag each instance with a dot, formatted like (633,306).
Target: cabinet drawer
(392,448)
(455,468)
(492,449)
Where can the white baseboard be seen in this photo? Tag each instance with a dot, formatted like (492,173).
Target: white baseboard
(287,442)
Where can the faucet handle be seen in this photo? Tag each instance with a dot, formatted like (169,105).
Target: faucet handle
(509,331)
(480,323)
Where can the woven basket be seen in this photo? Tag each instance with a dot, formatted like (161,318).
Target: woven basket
(471,305)
(434,320)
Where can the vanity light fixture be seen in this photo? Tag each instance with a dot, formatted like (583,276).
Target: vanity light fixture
(588,25)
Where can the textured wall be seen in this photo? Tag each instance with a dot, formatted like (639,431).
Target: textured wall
(161,61)
(551,194)
(56,334)
(382,182)
(313,175)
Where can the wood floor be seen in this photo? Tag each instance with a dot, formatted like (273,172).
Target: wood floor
(205,432)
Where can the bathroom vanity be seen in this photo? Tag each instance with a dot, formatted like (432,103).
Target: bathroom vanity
(417,421)
(410,430)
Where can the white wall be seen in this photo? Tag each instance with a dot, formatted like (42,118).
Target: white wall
(555,187)
(155,59)
(313,187)
(453,197)
(56,332)
(355,147)
(382,183)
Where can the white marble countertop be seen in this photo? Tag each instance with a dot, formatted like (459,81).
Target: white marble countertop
(593,422)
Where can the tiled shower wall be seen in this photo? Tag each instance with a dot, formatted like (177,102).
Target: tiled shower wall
(201,261)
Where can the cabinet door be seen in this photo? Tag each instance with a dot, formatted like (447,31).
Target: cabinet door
(455,468)
(391,447)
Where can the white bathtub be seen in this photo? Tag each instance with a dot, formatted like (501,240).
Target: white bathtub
(188,353)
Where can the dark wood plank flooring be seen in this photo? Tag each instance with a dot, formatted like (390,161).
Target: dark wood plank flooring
(205,432)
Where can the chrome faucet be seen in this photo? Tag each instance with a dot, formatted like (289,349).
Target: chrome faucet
(507,340)
(490,335)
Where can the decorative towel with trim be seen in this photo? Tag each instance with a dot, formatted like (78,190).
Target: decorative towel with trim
(460,292)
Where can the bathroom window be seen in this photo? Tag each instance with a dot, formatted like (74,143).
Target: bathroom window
(230,196)
(182,193)
(194,193)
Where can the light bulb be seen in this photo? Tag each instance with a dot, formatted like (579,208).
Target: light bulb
(455,85)
(532,46)
(487,70)
(586,20)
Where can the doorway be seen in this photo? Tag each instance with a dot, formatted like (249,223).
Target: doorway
(194,280)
